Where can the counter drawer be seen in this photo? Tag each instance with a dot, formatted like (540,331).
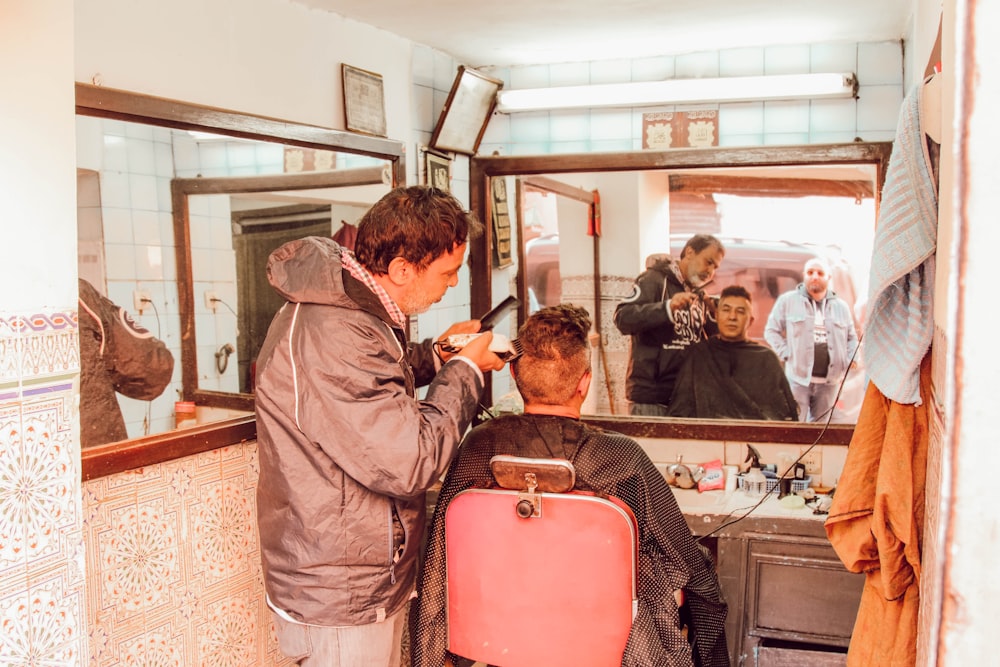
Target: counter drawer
(798,590)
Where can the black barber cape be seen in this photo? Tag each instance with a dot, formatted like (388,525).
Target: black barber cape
(732,380)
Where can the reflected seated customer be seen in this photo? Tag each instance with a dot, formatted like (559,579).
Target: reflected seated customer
(553,376)
(729,376)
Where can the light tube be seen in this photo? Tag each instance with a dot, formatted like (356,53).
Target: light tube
(681,91)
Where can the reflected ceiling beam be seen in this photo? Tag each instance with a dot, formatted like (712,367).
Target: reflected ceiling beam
(770,187)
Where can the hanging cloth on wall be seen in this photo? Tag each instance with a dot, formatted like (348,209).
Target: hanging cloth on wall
(876,523)
(900,323)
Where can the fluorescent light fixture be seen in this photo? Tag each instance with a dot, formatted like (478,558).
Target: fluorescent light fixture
(681,91)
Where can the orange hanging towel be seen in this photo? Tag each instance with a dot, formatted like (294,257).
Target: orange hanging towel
(876,523)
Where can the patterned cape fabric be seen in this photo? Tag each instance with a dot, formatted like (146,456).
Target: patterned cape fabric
(900,323)
(606,463)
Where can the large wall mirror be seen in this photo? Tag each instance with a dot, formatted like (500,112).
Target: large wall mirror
(586,224)
(179,206)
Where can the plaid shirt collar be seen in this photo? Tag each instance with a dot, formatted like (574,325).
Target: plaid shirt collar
(361,273)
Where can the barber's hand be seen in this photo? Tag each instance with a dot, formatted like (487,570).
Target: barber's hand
(478,351)
(682,300)
(466,327)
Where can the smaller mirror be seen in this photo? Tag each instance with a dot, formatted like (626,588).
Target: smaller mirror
(463,119)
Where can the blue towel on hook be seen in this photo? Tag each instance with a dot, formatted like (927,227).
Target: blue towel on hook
(900,323)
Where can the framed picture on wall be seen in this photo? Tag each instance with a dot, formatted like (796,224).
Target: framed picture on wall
(364,101)
(437,170)
(466,112)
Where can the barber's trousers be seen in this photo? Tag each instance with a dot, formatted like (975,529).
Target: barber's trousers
(372,645)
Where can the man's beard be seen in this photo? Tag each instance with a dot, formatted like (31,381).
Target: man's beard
(414,303)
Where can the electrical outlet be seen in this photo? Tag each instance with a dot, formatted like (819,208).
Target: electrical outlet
(813,462)
(140,299)
(210,300)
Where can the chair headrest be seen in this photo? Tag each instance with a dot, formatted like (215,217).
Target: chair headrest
(520,473)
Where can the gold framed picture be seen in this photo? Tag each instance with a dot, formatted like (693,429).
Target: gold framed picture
(364,101)
(437,170)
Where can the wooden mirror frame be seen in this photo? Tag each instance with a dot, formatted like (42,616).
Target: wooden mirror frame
(137,108)
(483,168)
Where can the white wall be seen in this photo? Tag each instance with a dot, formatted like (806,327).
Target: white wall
(229,54)
(38,195)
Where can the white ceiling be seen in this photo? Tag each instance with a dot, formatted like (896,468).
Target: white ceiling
(528,32)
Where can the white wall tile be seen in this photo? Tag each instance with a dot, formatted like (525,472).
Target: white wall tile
(529,127)
(534,76)
(878,107)
(742,118)
(786,116)
(653,69)
(610,71)
(146,227)
(120,261)
(832,115)
(833,57)
(610,124)
(732,140)
(114,190)
(498,129)
(786,59)
(741,62)
(445,71)
(786,139)
(570,74)
(143,193)
(149,262)
(422,65)
(114,154)
(117,225)
(880,63)
(422,111)
(570,125)
(141,157)
(697,65)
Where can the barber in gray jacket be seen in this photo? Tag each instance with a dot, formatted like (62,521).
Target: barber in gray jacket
(347,450)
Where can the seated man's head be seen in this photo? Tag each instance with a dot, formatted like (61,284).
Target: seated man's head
(734,313)
(553,371)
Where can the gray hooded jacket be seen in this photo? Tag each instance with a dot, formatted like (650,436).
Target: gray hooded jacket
(346,450)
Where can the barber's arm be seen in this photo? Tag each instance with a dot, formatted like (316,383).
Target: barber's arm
(644,309)
(140,363)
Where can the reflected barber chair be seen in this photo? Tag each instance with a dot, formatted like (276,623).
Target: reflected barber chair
(539,574)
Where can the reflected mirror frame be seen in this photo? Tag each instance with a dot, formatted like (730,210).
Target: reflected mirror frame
(124,105)
(483,168)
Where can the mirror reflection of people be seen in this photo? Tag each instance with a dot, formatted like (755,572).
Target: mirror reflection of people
(812,331)
(553,376)
(117,356)
(729,376)
(667,312)
(347,450)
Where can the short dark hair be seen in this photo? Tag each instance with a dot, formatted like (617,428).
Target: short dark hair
(418,223)
(699,242)
(555,344)
(736,290)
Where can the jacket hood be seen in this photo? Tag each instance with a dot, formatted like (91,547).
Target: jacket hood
(660,261)
(309,270)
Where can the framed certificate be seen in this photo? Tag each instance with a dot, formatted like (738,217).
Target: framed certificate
(364,101)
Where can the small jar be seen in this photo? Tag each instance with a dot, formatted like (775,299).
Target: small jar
(184,414)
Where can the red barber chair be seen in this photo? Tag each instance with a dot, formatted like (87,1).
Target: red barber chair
(539,574)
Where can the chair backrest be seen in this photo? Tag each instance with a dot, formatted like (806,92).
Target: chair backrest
(538,577)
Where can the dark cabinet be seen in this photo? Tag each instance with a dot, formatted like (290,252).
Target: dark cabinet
(791,601)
